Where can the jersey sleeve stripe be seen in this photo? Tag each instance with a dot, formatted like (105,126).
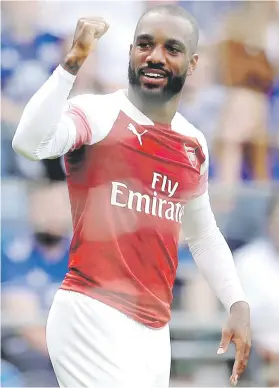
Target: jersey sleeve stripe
(83,130)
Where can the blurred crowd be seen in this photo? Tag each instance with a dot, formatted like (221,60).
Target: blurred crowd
(233,98)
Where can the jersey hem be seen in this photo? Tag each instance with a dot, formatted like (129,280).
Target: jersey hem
(108,300)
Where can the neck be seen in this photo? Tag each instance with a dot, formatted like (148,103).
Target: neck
(159,113)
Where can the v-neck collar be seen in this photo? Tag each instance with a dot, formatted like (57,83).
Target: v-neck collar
(132,111)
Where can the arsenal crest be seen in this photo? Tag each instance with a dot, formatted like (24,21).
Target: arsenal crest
(191,153)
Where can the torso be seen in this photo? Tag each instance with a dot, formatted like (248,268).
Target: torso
(128,190)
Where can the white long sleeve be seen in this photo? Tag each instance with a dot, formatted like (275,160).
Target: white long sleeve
(211,252)
(44,131)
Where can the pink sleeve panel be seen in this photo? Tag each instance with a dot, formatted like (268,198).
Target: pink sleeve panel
(84,132)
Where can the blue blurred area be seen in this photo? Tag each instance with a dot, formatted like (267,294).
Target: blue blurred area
(31,269)
(10,375)
(26,65)
(26,264)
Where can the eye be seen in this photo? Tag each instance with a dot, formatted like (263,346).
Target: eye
(144,45)
(173,49)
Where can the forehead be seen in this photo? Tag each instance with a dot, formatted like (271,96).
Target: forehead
(162,26)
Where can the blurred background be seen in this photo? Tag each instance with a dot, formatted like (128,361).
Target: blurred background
(233,98)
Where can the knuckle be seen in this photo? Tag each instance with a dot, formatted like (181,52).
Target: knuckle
(241,366)
(86,23)
(240,342)
(81,21)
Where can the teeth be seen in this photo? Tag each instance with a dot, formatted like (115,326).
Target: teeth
(154,75)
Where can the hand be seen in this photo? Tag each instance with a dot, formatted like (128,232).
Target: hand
(237,330)
(87,34)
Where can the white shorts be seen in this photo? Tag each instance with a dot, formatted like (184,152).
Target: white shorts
(93,345)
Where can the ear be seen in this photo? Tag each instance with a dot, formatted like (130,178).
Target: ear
(192,64)
(131,48)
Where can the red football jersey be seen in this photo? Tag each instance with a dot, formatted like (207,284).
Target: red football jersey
(129,179)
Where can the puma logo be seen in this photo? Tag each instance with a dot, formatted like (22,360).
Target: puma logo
(135,132)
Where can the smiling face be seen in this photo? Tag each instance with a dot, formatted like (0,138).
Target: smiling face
(161,57)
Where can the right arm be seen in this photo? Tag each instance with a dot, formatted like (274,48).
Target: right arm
(47,129)
(44,131)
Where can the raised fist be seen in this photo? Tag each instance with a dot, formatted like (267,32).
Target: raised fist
(87,34)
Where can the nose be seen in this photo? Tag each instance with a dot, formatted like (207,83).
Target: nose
(157,55)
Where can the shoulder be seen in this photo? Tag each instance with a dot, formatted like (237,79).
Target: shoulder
(182,126)
(99,111)
(90,102)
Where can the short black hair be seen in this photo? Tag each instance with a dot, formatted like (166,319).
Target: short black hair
(175,10)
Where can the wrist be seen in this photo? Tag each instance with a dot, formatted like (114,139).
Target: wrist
(240,308)
(72,63)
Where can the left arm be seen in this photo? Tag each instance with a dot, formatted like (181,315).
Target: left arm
(211,252)
(215,261)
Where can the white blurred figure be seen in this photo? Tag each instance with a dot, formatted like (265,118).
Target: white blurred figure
(258,268)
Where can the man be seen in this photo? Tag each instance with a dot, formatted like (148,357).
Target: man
(135,169)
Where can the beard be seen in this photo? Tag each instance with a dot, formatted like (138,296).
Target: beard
(153,94)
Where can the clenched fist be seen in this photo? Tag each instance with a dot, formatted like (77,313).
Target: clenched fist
(87,34)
